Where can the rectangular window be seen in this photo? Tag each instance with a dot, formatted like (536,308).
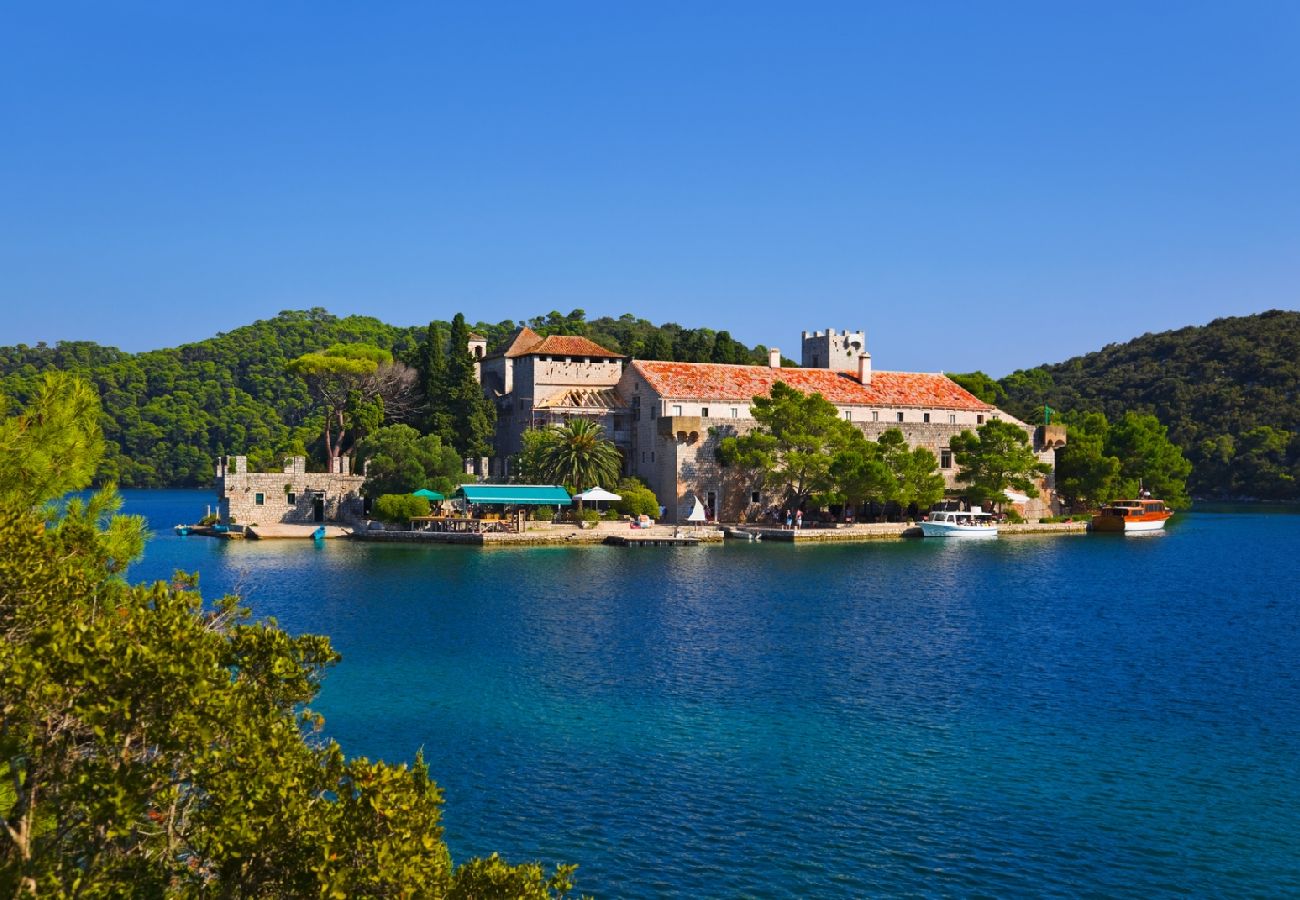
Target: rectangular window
(945,459)
(925,417)
(677,410)
(704,412)
(848,415)
(875,415)
(652,456)
(642,456)
(259,499)
(292,498)
(952,419)
(735,413)
(979,420)
(900,417)
(654,412)
(753,496)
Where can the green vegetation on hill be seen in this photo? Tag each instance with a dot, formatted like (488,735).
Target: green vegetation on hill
(167,414)
(1229,393)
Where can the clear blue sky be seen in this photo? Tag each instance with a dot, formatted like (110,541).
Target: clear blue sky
(984,185)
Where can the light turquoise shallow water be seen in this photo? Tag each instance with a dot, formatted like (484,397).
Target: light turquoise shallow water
(1032,716)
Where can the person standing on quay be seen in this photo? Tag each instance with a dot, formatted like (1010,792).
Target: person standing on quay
(798,520)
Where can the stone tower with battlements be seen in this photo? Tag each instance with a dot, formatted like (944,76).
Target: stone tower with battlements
(831,349)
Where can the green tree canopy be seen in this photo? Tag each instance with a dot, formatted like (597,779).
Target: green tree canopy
(400,460)
(982,386)
(997,456)
(914,471)
(358,386)
(797,436)
(152,744)
(1085,475)
(1148,459)
(860,474)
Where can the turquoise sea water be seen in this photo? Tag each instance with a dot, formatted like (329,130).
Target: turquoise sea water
(1031,716)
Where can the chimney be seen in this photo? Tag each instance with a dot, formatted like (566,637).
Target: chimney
(864,368)
(774,358)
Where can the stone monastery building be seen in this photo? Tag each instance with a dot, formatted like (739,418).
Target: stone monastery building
(667,417)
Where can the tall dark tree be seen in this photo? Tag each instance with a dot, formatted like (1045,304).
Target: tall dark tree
(434,388)
(473,416)
(658,346)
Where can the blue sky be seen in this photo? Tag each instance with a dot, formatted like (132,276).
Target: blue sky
(978,185)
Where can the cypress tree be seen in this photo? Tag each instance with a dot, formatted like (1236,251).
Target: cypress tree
(473,416)
(434,386)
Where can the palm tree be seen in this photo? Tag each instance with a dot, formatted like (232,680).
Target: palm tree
(578,454)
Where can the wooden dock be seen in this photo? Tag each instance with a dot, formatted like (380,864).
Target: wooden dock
(652,541)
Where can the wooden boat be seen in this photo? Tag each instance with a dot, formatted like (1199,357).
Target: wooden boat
(1132,516)
(960,524)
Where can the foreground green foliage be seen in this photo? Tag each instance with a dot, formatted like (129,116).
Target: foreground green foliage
(155,745)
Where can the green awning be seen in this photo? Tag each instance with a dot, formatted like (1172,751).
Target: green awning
(428,494)
(515,494)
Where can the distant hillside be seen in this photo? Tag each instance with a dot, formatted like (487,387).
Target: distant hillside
(1229,392)
(169,413)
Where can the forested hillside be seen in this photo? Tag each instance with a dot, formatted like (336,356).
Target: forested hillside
(169,413)
(1229,392)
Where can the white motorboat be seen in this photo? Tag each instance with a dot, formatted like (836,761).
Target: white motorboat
(972,523)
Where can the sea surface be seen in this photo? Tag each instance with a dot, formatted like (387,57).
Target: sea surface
(1045,716)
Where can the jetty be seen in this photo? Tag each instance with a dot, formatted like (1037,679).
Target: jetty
(654,541)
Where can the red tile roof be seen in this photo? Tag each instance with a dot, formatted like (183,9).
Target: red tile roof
(564,345)
(518,343)
(713,381)
(526,342)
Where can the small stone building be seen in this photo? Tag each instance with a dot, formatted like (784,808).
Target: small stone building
(291,496)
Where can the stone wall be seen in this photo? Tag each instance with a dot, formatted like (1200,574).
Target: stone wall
(288,496)
(677,456)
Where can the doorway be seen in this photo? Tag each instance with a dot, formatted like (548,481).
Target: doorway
(318,508)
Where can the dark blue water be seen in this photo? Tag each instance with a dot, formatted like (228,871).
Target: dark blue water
(1046,716)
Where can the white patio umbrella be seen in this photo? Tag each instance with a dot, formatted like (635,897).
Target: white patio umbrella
(597,493)
(1015,496)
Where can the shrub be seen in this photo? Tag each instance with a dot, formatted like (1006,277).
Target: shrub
(398,508)
(638,500)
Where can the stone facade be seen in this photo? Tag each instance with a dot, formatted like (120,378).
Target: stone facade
(830,349)
(292,496)
(667,418)
(537,381)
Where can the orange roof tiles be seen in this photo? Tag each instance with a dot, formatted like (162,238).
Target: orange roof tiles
(526,342)
(714,381)
(565,345)
(519,343)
